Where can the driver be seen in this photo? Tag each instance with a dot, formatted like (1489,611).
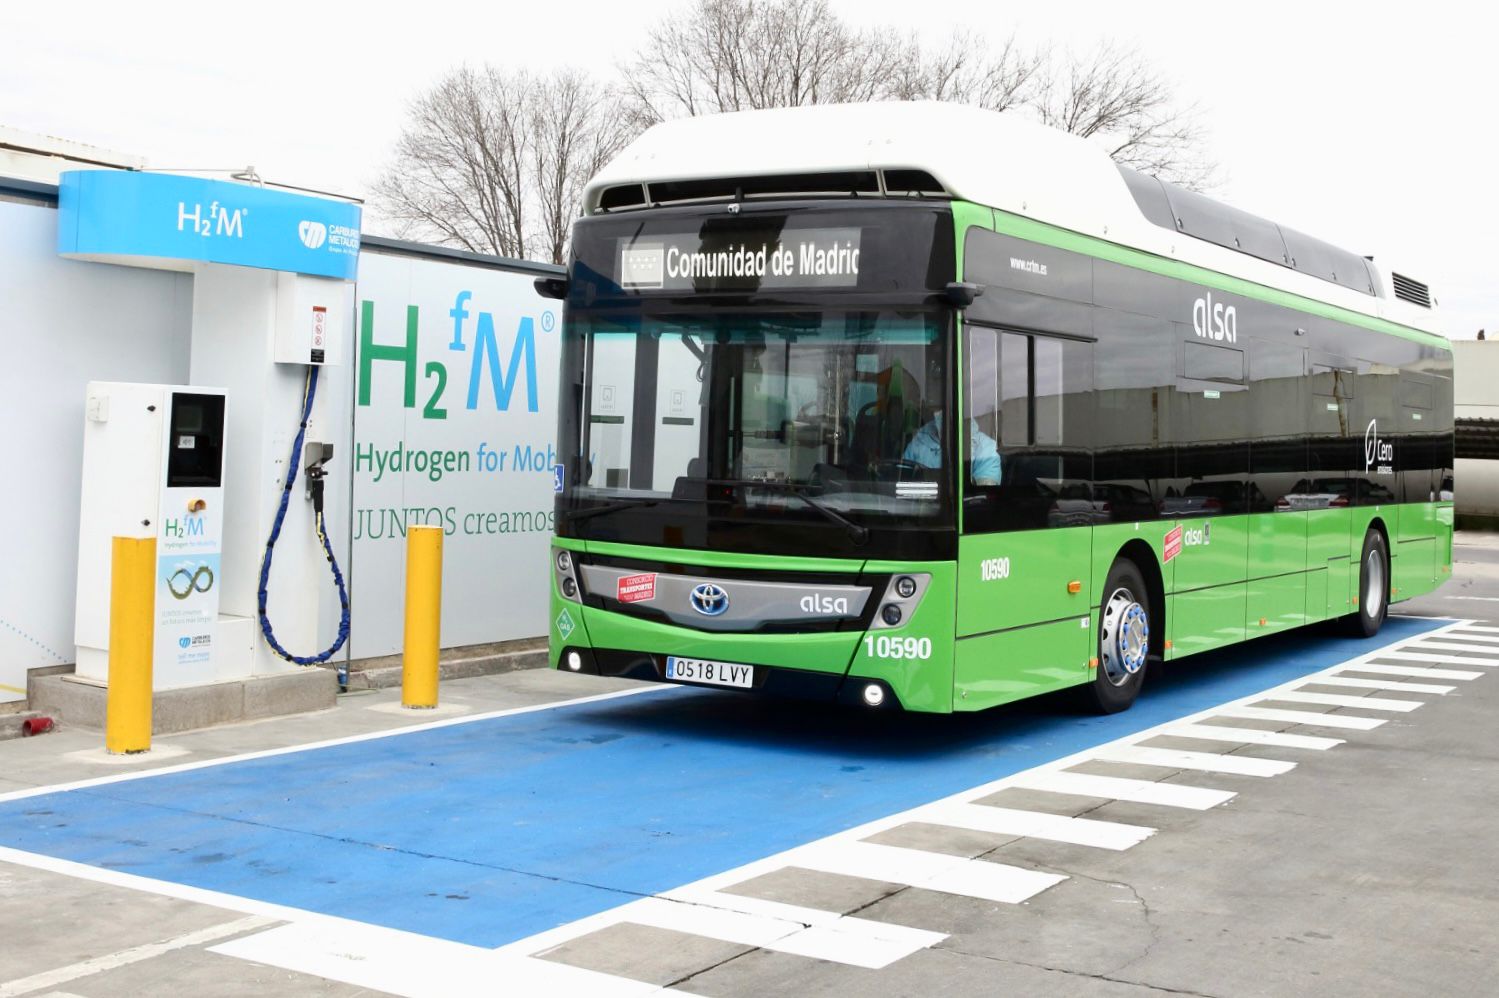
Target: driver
(925,449)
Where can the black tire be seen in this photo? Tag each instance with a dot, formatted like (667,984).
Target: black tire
(1373,588)
(1124,622)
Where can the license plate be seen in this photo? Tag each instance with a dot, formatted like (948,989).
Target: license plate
(695,670)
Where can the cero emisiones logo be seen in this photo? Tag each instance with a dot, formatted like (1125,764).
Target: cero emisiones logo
(312,234)
(1379,455)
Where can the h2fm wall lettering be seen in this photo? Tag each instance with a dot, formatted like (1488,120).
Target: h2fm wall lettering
(454,427)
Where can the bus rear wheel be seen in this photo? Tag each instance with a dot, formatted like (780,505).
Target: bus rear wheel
(1373,588)
(1124,622)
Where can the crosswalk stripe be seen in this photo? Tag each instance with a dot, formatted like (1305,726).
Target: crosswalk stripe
(854,941)
(930,870)
(1464,636)
(1121,788)
(1380,684)
(1342,700)
(1304,717)
(1251,736)
(1207,762)
(1411,656)
(1035,824)
(1411,670)
(1467,649)
(815,918)
(1481,630)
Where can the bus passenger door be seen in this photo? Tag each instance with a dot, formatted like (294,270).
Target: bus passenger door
(1209,502)
(1027,514)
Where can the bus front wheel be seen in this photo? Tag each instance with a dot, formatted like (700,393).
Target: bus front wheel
(1124,622)
(1373,587)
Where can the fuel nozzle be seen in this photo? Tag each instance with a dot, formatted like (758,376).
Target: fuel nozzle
(314,457)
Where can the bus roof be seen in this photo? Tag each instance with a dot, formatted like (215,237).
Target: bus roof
(1001,161)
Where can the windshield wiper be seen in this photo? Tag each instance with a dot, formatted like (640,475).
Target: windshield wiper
(612,507)
(857,533)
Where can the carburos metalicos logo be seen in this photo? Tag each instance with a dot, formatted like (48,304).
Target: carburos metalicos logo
(1378,454)
(709,599)
(312,234)
(1215,321)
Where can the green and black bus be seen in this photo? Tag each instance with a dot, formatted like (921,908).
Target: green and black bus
(919,406)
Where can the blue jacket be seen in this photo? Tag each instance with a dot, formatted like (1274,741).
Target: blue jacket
(925,449)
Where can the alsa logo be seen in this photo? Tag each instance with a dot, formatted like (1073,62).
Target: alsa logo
(1215,321)
(312,234)
(818,603)
(1198,536)
(1378,454)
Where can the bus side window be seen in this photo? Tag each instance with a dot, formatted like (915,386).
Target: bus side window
(1025,460)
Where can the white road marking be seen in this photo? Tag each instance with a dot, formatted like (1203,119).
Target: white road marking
(416,966)
(1119,788)
(410,964)
(1468,628)
(1410,670)
(1409,656)
(934,871)
(1342,700)
(1251,736)
(1303,717)
(1205,762)
(411,729)
(1481,651)
(1037,825)
(1382,684)
(125,957)
(857,942)
(1468,634)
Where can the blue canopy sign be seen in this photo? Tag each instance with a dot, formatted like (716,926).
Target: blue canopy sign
(121,216)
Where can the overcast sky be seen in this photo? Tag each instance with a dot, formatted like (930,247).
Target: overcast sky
(1370,125)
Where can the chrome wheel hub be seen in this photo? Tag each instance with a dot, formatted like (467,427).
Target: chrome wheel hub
(1124,640)
(1374,584)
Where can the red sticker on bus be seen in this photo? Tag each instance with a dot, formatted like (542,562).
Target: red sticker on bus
(639,588)
(1173,545)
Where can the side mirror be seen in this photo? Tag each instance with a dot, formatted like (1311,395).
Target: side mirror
(960,294)
(552,287)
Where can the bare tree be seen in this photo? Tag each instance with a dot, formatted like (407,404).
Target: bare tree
(577,126)
(1113,96)
(495,162)
(732,55)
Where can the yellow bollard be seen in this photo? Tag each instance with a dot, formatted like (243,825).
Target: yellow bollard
(423,616)
(132,611)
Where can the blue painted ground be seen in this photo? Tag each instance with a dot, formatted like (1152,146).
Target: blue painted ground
(490,831)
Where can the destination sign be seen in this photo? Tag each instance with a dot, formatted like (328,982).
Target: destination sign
(744,261)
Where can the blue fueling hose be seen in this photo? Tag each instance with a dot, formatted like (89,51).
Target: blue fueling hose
(309,392)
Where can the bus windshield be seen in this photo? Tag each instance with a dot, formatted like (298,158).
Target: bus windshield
(827,417)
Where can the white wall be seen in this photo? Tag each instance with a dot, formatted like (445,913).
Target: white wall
(1475,390)
(62,324)
(496,517)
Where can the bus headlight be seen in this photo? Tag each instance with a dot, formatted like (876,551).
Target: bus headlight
(574,661)
(564,561)
(874,694)
(905,587)
(569,588)
(891,614)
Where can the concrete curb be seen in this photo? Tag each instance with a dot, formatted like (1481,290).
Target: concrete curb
(384,676)
(81,703)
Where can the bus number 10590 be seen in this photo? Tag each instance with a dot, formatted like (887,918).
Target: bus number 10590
(885,646)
